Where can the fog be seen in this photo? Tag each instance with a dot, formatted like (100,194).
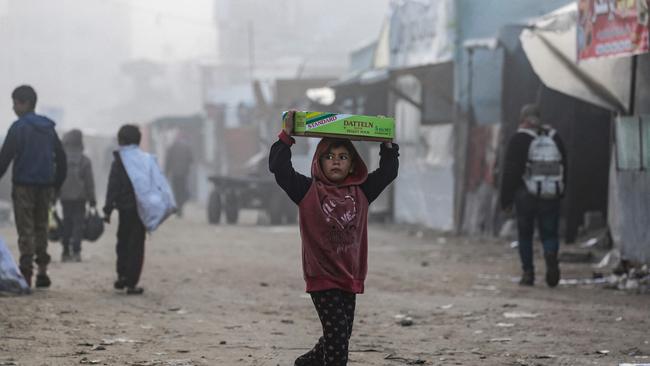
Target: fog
(99,63)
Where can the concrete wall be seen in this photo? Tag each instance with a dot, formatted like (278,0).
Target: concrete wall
(629,190)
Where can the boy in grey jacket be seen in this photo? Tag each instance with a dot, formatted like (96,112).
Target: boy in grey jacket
(77,190)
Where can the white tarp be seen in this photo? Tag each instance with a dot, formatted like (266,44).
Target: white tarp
(550,45)
(10,278)
(153,195)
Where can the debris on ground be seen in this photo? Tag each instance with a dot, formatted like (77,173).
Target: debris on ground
(407,361)
(519,315)
(404,320)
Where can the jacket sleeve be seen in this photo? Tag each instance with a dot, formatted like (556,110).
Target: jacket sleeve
(89,181)
(295,184)
(8,151)
(514,166)
(61,163)
(379,179)
(112,189)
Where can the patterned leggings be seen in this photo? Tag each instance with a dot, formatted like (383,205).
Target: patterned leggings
(336,312)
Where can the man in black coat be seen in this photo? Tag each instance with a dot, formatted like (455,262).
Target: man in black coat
(534,180)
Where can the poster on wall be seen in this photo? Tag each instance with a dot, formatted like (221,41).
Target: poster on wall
(612,28)
(421,32)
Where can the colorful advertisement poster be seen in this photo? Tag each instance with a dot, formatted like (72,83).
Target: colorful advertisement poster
(612,28)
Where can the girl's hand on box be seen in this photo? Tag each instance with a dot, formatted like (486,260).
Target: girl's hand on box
(289,121)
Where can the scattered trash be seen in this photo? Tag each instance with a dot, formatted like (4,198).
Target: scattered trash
(603,352)
(478,331)
(108,342)
(407,361)
(446,307)
(509,305)
(183,351)
(620,318)
(264,284)
(505,325)
(485,287)
(589,243)
(174,308)
(583,281)
(519,315)
(424,264)
(8,363)
(542,357)
(610,260)
(86,361)
(98,347)
(404,320)
(185,362)
(500,340)
(636,280)
(222,342)
(514,244)
(483,276)
(286,321)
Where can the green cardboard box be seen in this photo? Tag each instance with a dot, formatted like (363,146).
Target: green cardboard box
(351,126)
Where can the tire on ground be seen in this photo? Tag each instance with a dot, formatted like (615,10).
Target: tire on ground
(214,208)
(231,207)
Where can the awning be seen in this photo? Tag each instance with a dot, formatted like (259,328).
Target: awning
(550,45)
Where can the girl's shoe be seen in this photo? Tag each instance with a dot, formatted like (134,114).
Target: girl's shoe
(120,284)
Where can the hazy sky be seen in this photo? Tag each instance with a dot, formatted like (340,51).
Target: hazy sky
(168,30)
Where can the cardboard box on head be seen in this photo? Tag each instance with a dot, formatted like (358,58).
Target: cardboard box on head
(350,126)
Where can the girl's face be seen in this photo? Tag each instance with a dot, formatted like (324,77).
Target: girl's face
(336,164)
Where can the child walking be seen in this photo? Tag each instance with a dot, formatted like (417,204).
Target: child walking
(333,210)
(131,232)
(77,190)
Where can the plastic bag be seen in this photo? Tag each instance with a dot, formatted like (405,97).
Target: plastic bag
(152,191)
(55,225)
(10,278)
(93,225)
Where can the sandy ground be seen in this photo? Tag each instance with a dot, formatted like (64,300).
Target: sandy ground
(234,295)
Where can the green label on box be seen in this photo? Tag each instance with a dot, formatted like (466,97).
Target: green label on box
(350,125)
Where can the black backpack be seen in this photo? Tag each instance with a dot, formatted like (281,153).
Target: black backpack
(55,226)
(93,225)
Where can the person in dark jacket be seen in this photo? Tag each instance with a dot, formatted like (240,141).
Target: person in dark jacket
(77,190)
(130,230)
(531,207)
(39,168)
(333,209)
(178,164)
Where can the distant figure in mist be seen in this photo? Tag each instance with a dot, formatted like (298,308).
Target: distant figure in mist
(77,191)
(178,162)
(39,169)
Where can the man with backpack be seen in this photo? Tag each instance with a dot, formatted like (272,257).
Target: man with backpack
(39,169)
(534,181)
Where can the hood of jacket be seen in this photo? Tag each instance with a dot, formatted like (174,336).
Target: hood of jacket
(359,172)
(73,140)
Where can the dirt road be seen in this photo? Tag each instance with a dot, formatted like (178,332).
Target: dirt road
(234,295)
